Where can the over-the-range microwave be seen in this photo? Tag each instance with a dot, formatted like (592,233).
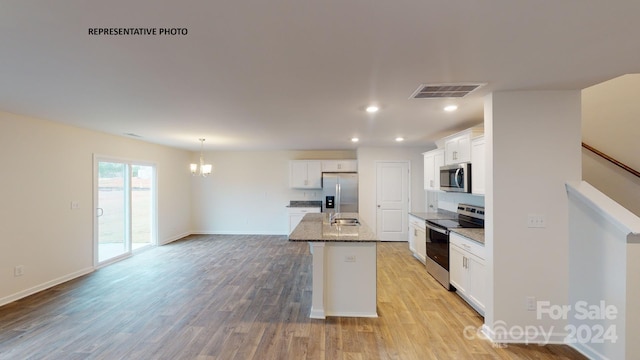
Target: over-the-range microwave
(456,178)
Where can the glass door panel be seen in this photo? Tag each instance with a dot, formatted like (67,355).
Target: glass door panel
(141,206)
(112,210)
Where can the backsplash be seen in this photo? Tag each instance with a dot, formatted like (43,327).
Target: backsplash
(450,200)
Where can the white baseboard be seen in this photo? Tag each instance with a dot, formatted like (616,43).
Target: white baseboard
(22,294)
(233,232)
(174,238)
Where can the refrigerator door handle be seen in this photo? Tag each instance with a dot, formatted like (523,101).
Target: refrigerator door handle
(338,200)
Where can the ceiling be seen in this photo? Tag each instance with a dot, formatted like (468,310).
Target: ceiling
(298,74)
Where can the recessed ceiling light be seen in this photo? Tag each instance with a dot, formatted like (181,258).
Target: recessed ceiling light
(372,109)
(354,139)
(451,108)
(399,138)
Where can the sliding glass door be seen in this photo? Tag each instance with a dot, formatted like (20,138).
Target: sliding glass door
(125,208)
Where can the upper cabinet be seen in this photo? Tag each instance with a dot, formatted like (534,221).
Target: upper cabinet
(457,147)
(305,174)
(339,165)
(433,160)
(478,165)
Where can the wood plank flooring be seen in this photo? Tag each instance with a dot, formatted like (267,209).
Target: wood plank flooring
(243,297)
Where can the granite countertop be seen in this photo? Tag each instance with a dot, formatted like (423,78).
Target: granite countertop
(304,203)
(439,214)
(476,234)
(316,227)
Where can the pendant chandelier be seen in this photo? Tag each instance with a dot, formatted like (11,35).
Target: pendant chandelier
(202,169)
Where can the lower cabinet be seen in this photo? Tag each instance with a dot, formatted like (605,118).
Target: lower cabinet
(297,213)
(417,238)
(467,270)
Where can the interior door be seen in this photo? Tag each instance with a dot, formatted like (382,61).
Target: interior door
(392,189)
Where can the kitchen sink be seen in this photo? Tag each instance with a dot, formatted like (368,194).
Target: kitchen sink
(345,221)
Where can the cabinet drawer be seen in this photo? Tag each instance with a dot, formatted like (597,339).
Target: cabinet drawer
(468,245)
(303,210)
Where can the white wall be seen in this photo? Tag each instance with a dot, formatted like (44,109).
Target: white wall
(248,191)
(604,267)
(45,166)
(533,148)
(610,113)
(367,157)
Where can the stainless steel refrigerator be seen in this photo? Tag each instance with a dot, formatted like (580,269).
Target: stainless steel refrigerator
(339,192)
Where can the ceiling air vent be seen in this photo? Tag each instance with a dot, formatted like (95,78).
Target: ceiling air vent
(439,91)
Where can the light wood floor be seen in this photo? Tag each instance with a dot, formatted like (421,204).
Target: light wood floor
(243,297)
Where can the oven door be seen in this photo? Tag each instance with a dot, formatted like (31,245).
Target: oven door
(438,245)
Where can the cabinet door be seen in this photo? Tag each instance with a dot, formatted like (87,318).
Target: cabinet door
(477,274)
(294,220)
(314,174)
(457,269)
(458,150)
(421,244)
(438,160)
(298,174)
(339,165)
(464,149)
(478,165)
(413,233)
(305,174)
(450,151)
(429,171)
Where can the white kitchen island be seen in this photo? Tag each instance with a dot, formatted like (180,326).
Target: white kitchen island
(344,266)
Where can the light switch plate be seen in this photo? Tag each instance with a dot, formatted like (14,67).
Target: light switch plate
(536,221)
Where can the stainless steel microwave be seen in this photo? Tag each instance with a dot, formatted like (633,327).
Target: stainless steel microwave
(456,178)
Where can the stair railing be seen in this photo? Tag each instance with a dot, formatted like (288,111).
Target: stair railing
(611,160)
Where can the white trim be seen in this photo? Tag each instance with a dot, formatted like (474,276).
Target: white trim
(49,284)
(174,238)
(604,206)
(236,232)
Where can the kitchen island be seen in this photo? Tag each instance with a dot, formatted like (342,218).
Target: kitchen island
(344,265)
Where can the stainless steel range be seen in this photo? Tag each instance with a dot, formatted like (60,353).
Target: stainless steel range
(437,261)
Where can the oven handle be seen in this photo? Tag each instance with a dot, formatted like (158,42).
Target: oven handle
(437,229)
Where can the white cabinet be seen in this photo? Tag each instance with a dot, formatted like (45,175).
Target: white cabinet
(467,270)
(458,150)
(457,147)
(339,165)
(433,160)
(417,238)
(478,165)
(305,174)
(297,213)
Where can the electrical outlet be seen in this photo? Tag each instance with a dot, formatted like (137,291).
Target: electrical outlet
(531,303)
(536,221)
(350,258)
(18,270)
(75,205)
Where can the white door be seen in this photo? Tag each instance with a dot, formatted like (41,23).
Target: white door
(392,200)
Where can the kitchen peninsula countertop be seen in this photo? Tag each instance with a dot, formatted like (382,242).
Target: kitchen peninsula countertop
(317,228)
(476,234)
(304,203)
(439,214)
